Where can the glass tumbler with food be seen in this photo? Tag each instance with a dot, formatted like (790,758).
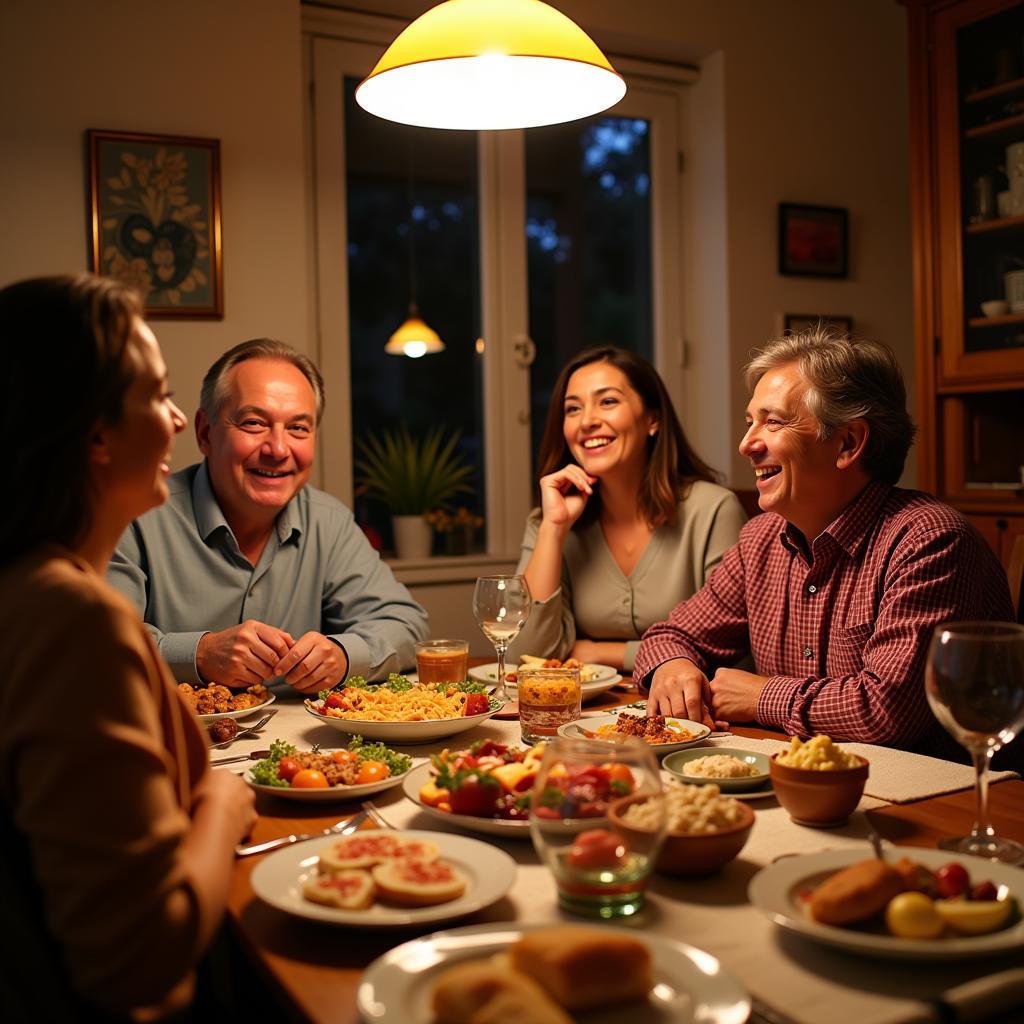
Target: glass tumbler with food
(442,661)
(974,681)
(548,698)
(501,606)
(599,869)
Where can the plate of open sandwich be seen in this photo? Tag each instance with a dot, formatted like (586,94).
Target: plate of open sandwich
(914,904)
(213,701)
(592,974)
(384,879)
(594,679)
(663,734)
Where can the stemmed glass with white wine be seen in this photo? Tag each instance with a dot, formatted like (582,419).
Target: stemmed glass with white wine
(975,685)
(501,605)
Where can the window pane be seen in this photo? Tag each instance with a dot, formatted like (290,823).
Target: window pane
(588,231)
(412,202)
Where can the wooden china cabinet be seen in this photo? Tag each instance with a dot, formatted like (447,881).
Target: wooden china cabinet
(967,112)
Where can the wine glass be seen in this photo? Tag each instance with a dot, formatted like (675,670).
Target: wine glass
(974,681)
(501,606)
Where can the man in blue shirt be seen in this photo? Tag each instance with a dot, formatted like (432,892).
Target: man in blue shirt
(247,573)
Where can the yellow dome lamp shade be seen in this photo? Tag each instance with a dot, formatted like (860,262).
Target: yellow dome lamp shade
(484,64)
(414,338)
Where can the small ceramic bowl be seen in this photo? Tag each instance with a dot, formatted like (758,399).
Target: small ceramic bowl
(676,765)
(821,799)
(686,853)
(995,307)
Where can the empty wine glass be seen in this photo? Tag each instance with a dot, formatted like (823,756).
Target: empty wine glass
(501,605)
(975,685)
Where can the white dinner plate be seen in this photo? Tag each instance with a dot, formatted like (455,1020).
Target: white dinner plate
(402,732)
(591,723)
(490,872)
(689,984)
(271,697)
(415,780)
(775,891)
(591,673)
(353,792)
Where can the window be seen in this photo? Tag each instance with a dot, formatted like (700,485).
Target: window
(528,247)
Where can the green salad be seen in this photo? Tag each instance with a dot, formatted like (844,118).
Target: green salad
(268,772)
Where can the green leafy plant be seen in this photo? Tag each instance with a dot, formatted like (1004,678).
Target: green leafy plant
(412,476)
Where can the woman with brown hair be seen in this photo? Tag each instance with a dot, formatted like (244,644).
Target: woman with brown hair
(630,522)
(116,840)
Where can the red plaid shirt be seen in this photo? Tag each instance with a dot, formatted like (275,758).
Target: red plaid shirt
(843,635)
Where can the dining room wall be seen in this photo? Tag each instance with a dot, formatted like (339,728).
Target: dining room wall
(230,70)
(799,100)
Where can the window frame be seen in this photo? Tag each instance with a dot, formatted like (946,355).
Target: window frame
(346,43)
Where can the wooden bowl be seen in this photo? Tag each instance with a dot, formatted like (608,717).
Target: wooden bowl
(687,853)
(815,797)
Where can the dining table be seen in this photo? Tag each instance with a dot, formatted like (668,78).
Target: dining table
(312,971)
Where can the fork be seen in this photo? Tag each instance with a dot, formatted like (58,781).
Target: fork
(341,828)
(249,730)
(370,811)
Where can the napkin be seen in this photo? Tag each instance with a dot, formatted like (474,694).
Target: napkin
(995,997)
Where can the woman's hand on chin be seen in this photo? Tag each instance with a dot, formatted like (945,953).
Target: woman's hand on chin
(564,495)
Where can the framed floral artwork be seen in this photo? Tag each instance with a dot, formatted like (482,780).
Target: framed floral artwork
(155,219)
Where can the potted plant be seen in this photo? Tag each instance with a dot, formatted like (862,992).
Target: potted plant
(412,476)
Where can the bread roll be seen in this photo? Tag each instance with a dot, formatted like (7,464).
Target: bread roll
(364,849)
(348,890)
(418,883)
(584,967)
(482,992)
(855,893)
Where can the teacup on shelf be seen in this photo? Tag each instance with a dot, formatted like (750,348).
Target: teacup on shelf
(995,307)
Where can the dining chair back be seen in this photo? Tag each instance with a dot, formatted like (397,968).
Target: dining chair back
(1016,574)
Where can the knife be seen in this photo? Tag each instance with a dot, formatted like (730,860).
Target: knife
(253,755)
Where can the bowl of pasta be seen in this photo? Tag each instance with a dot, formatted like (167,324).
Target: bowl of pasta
(400,711)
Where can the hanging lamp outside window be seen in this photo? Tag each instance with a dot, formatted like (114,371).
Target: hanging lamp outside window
(480,64)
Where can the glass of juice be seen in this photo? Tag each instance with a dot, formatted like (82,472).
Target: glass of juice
(442,661)
(548,698)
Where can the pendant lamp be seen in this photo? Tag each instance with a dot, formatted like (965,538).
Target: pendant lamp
(479,64)
(414,338)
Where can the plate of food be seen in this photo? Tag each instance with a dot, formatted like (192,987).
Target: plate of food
(663,734)
(733,770)
(213,701)
(600,974)
(917,904)
(399,711)
(378,878)
(591,674)
(358,770)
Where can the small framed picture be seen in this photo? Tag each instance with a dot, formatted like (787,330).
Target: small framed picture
(812,240)
(793,323)
(155,219)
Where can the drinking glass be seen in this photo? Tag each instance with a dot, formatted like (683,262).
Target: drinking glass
(442,661)
(501,605)
(974,681)
(548,698)
(600,863)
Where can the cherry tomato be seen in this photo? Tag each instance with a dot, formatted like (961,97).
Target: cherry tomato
(912,915)
(309,778)
(372,771)
(952,880)
(621,773)
(476,704)
(334,700)
(287,767)
(344,757)
(597,848)
(985,891)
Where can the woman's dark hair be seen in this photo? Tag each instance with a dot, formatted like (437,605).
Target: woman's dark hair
(672,465)
(68,365)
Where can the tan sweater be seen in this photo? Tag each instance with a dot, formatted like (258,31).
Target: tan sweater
(99,759)
(599,602)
